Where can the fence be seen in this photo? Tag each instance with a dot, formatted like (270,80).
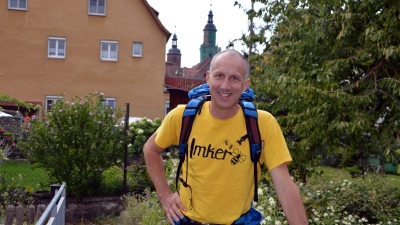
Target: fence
(19,214)
(55,210)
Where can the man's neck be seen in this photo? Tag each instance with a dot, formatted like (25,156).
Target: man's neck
(223,114)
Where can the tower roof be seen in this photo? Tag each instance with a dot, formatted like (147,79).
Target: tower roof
(174,49)
(210,24)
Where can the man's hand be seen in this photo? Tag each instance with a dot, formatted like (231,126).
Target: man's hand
(173,207)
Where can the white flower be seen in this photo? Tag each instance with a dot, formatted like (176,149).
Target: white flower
(326,214)
(168,154)
(129,145)
(316,219)
(170,182)
(271,201)
(277,222)
(268,218)
(140,131)
(260,191)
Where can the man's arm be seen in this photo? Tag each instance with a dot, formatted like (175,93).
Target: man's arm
(288,195)
(171,202)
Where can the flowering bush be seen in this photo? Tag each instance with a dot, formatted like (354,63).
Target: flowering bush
(341,202)
(139,132)
(75,143)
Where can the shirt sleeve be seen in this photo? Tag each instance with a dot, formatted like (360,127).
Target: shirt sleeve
(169,131)
(275,151)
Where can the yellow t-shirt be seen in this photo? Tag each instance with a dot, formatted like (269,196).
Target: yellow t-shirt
(220,171)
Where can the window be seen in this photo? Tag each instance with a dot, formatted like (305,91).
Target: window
(97,7)
(18,4)
(167,109)
(109,50)
(137,49)
(56,47)
(110,102)
(50,100)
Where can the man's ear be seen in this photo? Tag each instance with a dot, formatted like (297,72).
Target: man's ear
(207,76)
(246,84)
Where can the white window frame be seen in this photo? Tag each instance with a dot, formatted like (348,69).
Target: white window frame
(166,107)
(107,101)
(57,49)
(97,13)
(109,55)
(52,98)
(137,44)
(18,3)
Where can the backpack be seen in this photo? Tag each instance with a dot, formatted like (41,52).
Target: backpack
(197,97)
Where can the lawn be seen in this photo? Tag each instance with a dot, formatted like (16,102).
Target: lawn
(34,178)
(335,174)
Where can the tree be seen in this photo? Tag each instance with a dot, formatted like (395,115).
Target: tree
(75,143)
(331,75)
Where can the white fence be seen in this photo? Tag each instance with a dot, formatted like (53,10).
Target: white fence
(56,209)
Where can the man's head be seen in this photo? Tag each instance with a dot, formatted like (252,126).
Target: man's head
(227,78)
(247,70)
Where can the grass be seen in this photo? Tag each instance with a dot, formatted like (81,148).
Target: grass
(30,177)
(335,174)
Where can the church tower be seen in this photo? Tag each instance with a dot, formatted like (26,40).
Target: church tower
(174,54)
(209,47)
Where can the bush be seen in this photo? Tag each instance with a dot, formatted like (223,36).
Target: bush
(354,171)
(138,134)
(75,143)
(112,182)
(143,209)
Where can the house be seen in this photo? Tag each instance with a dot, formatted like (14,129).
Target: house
(77,47)
(178,81)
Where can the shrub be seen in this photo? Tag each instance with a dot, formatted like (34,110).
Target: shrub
(143,209)
(138,134)
(75,143)
(13,193)
(354,171)
(112,181)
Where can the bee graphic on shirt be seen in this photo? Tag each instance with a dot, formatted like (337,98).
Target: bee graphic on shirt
(238,157)
(226,142)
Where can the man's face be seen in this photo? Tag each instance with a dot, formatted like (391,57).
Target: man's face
(226,81)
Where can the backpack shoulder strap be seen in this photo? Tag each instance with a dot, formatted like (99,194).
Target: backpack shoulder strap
(253,134)
(191,110)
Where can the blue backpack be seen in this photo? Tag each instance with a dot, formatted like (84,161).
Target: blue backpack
(197,97)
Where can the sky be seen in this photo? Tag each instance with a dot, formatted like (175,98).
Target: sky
(187,18)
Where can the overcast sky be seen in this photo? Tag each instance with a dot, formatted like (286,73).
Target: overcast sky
(187,18)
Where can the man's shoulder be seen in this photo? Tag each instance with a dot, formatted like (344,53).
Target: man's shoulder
(264,114)
(177,111)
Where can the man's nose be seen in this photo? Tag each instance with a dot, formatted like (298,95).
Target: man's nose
(226,83)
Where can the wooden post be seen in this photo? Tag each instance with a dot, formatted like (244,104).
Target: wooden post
(31,214)
(40,210)
(19,220)
(9,215)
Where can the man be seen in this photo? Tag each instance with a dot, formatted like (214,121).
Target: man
(219,191)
